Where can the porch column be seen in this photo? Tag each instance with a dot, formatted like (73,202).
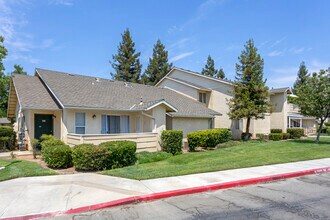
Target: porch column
(300,122)
(289,122)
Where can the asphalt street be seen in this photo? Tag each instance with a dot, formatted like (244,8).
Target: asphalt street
(305,197)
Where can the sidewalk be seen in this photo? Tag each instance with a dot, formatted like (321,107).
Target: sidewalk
(52,195)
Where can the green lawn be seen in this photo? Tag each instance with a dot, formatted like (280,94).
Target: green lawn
(248,154)
(21,168)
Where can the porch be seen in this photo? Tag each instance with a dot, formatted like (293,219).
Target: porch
(299,121)
(145,141)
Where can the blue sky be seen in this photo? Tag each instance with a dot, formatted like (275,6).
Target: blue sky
(80,36)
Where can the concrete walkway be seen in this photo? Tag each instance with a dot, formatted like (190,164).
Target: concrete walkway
(36,195)
(17,153)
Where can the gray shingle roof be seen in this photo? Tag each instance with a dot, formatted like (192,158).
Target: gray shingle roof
(77,91)
(32,94)
(280,90)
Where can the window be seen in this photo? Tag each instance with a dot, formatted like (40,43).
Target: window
(211,123)
(80,123)
(202,97)
(238,124)
(115,124)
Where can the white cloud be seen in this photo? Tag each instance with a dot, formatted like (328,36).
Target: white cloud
(297,50)
(276,53)
(233,47)
(317,65)
(181,56)
(281,77)
(62,2)
(277,42)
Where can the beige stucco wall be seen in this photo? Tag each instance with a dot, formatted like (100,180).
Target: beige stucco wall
(184,89)
(278,118)
(190,124)
(29,123)
(216,99)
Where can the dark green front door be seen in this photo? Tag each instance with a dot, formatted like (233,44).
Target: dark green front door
(43,124)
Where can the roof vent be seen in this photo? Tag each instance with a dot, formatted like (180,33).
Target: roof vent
(141,101)
(127,84)
(97,79)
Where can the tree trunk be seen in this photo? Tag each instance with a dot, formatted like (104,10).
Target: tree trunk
(319,132)
(247,130)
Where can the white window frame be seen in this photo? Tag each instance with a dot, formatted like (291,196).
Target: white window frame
(75,125)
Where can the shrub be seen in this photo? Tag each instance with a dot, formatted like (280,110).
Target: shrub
(327,124)
(57,156)
(36,151)
(276,131)
(275,136)
(172,141)
(228,144)
(89,157)
(122,153)
(286,136)
(208,138)
(295,133)
(51,142)
(262,137)
(148,157)
(46,137)
(243,135)
(7,138)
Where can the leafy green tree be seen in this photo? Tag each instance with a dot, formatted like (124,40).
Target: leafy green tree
(250,99)
(4,81)
(220,74)
(302,75)
(19,70)
(126,62)
(313,97)
(158,65)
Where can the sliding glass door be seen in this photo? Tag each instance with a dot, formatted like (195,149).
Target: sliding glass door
(115,124)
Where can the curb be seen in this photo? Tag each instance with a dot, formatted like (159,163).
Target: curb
(179,192)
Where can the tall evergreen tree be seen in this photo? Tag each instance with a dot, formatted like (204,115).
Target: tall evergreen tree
(301,78)
(4,81)
(19,70)
(220,74)
(126,62)
(158,65)
(209,69)
(250,99)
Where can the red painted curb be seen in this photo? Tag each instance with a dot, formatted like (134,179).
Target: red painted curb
(161,195)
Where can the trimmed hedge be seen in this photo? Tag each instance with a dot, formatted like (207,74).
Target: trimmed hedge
(51,142)
(286,136)
(122,153)
(89,157)
(275,136)
(57,156)
(276,131)
(172,141)
(295,133)
(262,137)
(208,138)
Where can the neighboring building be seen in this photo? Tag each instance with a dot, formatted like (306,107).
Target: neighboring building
(81,109)
(5,122)
(214,93)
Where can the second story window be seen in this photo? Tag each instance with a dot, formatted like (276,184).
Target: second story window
(202,97)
